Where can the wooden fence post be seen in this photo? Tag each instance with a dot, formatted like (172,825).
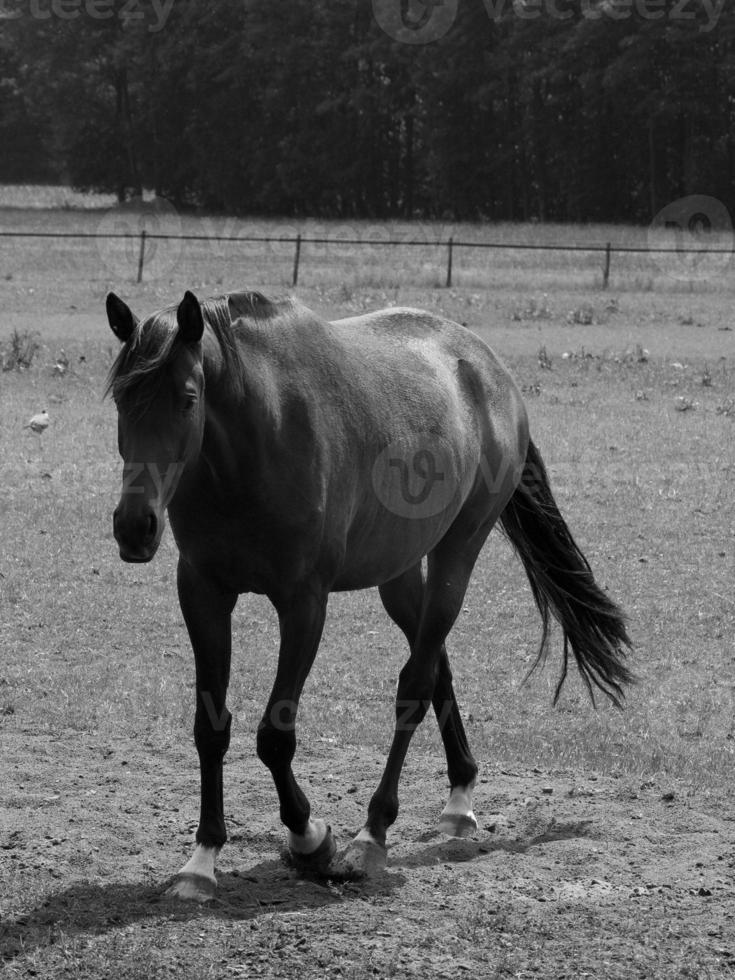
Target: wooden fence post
(141,255)
(606,270)
(449,260)
(297,256)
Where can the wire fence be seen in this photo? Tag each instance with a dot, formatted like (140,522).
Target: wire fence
(697,261)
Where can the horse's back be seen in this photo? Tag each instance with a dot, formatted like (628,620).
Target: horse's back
(414,350)
(408,329)
(375,371)
(409,337)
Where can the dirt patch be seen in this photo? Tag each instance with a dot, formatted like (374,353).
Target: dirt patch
(569,875)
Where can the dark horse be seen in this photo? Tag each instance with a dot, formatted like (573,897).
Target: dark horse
(297,457)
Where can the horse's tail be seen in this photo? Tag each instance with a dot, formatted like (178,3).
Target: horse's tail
(562,582)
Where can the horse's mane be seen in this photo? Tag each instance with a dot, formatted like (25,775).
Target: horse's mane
(137,368)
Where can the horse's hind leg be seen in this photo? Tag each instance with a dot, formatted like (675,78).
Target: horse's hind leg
(443,593)
(457,818)
(403,600)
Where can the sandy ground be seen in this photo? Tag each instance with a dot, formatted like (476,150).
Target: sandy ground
(568,876)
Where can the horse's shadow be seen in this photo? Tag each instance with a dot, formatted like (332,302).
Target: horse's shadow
(90,909)
(458,850)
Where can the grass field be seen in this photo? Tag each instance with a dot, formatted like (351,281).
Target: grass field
(631,394)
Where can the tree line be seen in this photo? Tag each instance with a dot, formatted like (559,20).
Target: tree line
(568,110)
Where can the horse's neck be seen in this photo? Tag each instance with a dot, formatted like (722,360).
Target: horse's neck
(234,427)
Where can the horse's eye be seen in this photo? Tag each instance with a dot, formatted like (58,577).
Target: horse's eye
(189,405)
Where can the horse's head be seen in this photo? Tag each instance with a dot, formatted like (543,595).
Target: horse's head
(157,382)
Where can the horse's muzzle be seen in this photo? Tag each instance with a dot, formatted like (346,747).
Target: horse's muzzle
(137,534)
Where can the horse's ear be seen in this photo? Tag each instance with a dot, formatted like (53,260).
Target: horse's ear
(120,317)
(189,318)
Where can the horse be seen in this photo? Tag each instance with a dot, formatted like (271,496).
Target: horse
(296,457)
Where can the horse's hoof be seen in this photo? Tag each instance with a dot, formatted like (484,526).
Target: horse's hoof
(318,862)
(192,888)
(361,859)
(458,824)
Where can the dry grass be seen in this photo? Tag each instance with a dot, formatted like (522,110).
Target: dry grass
(42,197)
(645,487)
(97,648)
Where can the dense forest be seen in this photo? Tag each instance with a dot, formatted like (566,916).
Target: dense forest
(530,109)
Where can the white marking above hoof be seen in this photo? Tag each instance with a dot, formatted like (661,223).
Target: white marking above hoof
(457,818)
(196,881)
(310,840)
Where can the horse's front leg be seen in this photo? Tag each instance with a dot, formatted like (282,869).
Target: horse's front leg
(207,614)
(301,620)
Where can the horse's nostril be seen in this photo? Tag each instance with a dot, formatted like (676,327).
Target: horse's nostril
(151,527)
